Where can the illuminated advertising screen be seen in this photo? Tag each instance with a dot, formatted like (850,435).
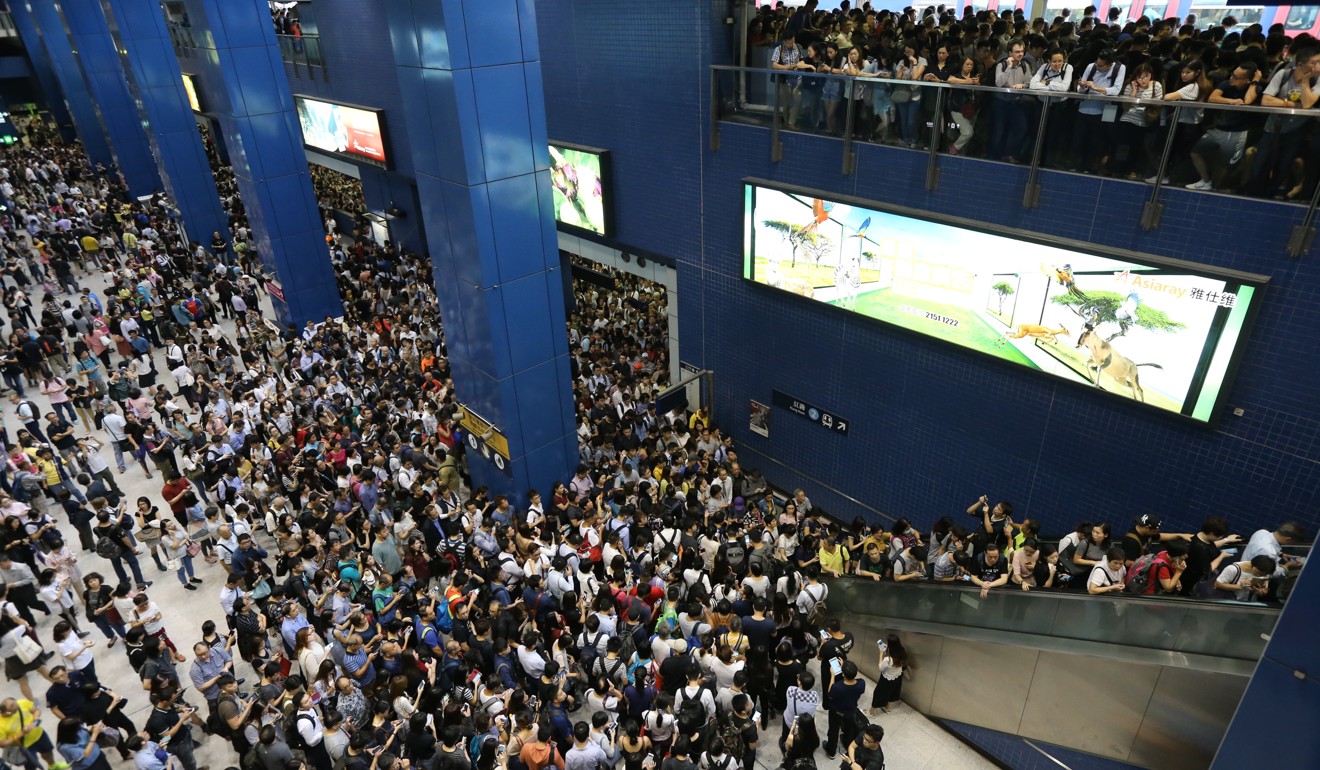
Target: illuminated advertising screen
(1162,332)
(352,133)
(191,88)
(579,177)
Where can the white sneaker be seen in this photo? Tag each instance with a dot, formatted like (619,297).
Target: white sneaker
(1200,184)
(1151,180)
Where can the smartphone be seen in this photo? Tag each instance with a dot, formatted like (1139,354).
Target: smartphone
(1231,551)
(836,666)
(824,635)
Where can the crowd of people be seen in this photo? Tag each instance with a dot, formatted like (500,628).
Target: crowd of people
(373,608)
(336,191)
(1168,60)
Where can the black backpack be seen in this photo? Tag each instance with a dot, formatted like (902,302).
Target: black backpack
(291,734)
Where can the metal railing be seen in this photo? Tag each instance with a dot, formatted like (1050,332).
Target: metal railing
(1174,624)
(7,28)
(1141,140)
(301,50)
(183,39)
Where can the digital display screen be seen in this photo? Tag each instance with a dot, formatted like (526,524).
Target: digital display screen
(191,88)
(352,133)
(579,177)
(1162,332)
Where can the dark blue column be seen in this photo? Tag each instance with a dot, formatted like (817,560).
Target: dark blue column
(476,120)
(86,118)
(41,67)
(255,109)
(175,140)
(1275,722)
(104,71)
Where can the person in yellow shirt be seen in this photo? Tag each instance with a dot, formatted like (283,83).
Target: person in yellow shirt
(20,725)
(833,557)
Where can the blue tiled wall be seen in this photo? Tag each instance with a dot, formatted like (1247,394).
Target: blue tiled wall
(932,426)
(359,69)
(1013,752)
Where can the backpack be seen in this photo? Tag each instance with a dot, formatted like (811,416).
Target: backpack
(590,649)
(474,746)
(735,554)
(251,759)
(107,548)
(628,640)
(733,738)
(194,307)
(291,734)
(444,619)
(604,668)
(22,487)
(34,414)
(1141,575)
(816,615)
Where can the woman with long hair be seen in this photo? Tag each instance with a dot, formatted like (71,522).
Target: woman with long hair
(889,686)
(77,744)
(802,741)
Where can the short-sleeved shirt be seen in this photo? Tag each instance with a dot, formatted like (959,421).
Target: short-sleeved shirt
(12,725)
(945,567)
(1102,576)
(1232,120)
(989,573)
(1284,86)
(1134,545)
(587,757)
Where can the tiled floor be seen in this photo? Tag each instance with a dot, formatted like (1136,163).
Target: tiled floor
(912,742)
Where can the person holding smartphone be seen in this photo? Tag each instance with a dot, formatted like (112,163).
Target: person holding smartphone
(168,727)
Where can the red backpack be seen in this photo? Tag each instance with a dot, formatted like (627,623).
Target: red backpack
(1141,576)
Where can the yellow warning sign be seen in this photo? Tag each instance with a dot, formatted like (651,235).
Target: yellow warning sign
(482,430)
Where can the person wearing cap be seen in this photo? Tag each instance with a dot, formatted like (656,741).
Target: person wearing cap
(1145,532)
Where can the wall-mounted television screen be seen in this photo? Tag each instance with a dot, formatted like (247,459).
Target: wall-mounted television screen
(352,133)
(580,178)
(1166,333)
(190,87)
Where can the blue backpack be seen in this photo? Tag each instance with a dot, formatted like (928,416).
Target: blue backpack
(444,621)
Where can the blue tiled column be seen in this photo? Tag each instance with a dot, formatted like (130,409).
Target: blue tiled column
(1282,701)
(254,106)
(45,16)
(476,120)
(90,35)
(175,140)
(41,67)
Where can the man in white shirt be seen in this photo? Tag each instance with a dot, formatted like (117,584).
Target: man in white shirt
(1266,543)
(115,426)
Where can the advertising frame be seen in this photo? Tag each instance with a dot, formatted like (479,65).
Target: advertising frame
(604,159)
(381,129)
(1193,409)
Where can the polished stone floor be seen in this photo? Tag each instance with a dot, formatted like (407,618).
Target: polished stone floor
(912,742)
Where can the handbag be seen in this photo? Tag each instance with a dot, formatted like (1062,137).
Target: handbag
(27,649)
(173,565)
(193,548)
(901,95)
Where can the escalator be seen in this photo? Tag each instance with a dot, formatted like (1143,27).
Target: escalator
(1149,681)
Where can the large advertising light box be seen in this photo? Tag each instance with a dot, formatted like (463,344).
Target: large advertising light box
(1165,333)
(351,133)
(580,179)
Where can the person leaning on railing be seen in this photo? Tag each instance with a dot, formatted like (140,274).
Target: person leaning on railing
(1285,136)
(788,56)
(1224,146)
(1092,136)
